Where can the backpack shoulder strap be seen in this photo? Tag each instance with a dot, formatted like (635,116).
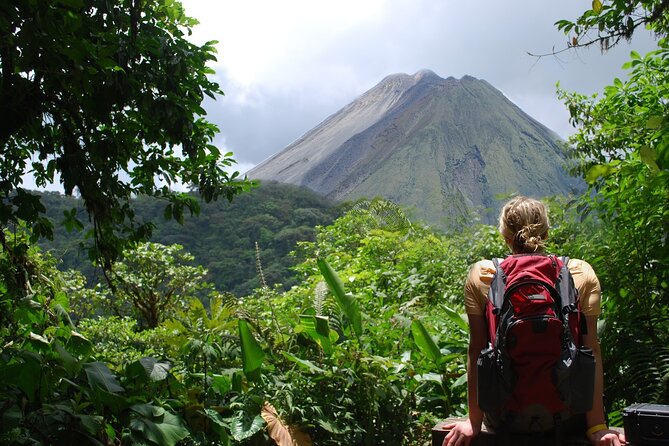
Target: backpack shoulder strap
(497,286)
(566,288)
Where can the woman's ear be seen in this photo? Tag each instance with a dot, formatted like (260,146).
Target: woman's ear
(509,242)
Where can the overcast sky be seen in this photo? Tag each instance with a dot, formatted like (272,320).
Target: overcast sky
(287,65)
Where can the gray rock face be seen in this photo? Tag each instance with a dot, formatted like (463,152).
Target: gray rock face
(442,148)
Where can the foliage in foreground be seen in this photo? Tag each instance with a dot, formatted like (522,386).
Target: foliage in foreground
(105,99)
(368,349)
(622,149)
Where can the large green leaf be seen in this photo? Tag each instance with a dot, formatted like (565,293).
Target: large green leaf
(244,425)
(25,373)
(219,426)
(79,345)
(93,424)
(70,363)
(100,376)
(331,426)
(318,328)
(158,425)
(113,402)
(424,341)
(460,381)
(221,383)
(304,363)
(598,171)
(649,156)
(148,369)
(345,301)
(252,353)
(456,318)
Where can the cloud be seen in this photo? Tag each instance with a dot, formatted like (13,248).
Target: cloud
(286,66)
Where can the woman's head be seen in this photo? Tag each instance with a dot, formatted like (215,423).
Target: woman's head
(523,223)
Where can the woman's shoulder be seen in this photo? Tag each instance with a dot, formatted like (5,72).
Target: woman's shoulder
(485,263)
(482,271)
(582,272)
(579,266)
(482,266)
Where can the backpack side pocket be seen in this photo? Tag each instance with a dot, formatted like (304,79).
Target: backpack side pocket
(576,378)
(492,390)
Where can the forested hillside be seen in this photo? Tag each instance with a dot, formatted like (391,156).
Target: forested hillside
(222,238)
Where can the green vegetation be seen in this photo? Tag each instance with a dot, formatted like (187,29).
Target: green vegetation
(377,357)
(222,239)
(368,346)
(610,21)
(621,148)
(151,284)
(104,97)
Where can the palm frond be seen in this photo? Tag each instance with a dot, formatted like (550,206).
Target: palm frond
(387,214)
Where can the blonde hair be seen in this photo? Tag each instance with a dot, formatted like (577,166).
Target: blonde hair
(524,222)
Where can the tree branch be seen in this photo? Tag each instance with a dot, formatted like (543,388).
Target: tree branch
(613,38)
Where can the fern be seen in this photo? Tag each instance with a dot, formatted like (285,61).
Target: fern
(387,214)
(320,295)
(232,305)
(637,363)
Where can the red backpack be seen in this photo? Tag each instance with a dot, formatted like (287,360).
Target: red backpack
(535,371)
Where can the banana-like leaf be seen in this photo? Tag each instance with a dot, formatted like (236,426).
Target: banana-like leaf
(345,301)
(456,318)
(252,353)
(425,342)
(282,433)
(318,328)
(304,363)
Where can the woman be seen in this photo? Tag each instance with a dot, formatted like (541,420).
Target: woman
(523,223)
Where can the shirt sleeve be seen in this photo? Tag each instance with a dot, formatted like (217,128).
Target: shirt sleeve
(587,283)
(477,285)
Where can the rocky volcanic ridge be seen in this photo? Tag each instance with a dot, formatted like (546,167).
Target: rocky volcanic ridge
(442,148)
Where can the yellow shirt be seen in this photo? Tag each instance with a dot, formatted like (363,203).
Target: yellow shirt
(481,273)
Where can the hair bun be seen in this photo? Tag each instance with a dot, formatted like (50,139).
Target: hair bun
(526,221)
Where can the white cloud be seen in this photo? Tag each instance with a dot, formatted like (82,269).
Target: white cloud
(286,66)
(256,37)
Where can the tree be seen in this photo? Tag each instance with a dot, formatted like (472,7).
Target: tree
(621,149)
(621,146)
(153,282)
(105,97)
(610,21)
